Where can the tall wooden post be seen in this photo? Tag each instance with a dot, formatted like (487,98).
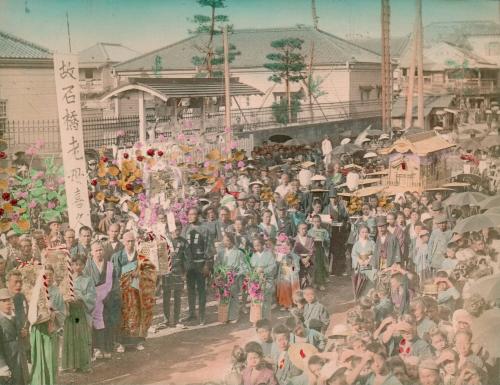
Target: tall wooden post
(410,89)
(142,118)
(386,67)
(314,14)
(227,95)
(420,61)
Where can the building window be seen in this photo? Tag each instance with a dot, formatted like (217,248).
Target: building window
(89,73)
(379,92)
(364,92)
(279,96)
(493,49)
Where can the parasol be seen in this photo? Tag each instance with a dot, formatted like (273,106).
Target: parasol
(477,223)
(471,131)
(493,210)
(490,141)
(364,192)
(294,142)
(358,283)
(468,178)
(487,287)
(485,331)
(490,202)
(347,148)
(369,155)
(467,198)
(471,144)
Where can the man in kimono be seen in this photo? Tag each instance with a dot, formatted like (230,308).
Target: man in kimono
(438,241)
(12,353)
(223,223)
(15,287)
(137,295)
(82,248)
(100,270)
(113,244)
(284,369)
(283,221)
(199,265)
(337,211)
(387,250)
(25,256)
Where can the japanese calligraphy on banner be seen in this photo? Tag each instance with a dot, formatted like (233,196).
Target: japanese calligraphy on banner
(71,131)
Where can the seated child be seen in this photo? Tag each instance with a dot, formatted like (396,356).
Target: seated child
(315,310)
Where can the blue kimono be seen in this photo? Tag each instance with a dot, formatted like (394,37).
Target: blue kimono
(266,261)
(234,259)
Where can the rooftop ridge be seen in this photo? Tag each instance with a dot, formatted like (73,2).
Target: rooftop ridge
(26,42)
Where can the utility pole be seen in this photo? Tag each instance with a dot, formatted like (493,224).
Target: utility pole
(314,14)
(69,35)
(227,95)
(411,80)
(420,61)
(386,66)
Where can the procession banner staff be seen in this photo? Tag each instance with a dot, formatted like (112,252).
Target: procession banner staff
(72,146)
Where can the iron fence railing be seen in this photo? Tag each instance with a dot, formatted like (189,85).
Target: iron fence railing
(123,131)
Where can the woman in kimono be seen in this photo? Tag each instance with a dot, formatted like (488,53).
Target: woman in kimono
(233,258)
(240,235)
(265,264)
(44,336)
(361,255)
(304,248)
(268,230)
(288,274)
(101,273)
(77,347)
(321,239)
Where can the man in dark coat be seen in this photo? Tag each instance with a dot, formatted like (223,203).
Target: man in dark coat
(12,353)
(199,267)
(337,211)
(387,251)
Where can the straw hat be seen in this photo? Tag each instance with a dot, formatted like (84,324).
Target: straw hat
(4,294)
(300,353)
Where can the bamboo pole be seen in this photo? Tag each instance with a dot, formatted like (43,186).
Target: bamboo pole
(411,80)
(227,95)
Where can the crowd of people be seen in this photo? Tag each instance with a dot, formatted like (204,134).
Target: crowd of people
(282,231)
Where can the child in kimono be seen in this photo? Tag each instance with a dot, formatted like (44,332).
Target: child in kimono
(77,346)
(264,263)
(232,258)
(44,336)
(314,310)
(321,243)
(284,368)
(288,275)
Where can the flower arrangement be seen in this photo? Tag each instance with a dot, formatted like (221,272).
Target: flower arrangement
(180,209)
(355,205)
(254,282)
(224,278)
(282,247)
(37,197)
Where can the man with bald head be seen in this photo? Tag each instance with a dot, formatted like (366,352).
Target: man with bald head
(124,261)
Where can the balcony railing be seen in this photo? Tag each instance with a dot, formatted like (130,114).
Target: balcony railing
(458,87)
(91,86)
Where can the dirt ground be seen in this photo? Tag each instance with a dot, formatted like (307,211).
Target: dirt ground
(197,355)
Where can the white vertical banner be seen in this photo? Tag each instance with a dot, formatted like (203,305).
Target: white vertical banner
(71,131)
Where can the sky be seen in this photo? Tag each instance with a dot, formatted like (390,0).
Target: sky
(145,25)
